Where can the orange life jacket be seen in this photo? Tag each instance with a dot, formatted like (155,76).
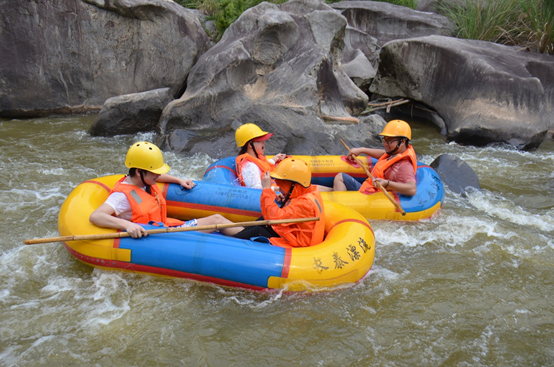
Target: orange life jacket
(146,207)
(262,163)
(304,203)
(385,162)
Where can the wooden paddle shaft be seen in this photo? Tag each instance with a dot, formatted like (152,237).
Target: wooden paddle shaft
(104,236)
(377,184)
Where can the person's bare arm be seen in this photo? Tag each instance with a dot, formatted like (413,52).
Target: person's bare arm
(371,152)
(408,188)
(186,183)
(103,217)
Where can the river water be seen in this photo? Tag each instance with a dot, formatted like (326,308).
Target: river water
(473,286)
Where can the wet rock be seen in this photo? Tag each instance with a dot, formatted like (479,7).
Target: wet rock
(131,113)
(456,174)
(484,92)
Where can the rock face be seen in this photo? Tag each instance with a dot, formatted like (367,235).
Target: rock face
(131,113)
(371,24)
(63,56)
(277,66)
(386,22)
(483,91)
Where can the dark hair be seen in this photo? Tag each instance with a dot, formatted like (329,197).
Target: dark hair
(244,148)
(132,172)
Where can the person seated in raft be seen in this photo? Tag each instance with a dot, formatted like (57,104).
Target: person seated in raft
(298,199)
(136,198)
(251,163)
(396,168)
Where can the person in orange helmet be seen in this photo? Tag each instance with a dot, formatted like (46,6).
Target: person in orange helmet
(299,199)
(251,163)
(136,198)
(396,168)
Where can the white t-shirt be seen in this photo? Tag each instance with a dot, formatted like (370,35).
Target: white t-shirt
(120,203)
(122,208)
(251,174)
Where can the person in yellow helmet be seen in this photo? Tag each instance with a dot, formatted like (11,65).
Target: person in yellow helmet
(136,198)
(251,163)
(300,200)
(396,168)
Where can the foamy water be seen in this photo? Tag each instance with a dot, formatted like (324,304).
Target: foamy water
(471,286)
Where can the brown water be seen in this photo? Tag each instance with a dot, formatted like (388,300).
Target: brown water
(471,287)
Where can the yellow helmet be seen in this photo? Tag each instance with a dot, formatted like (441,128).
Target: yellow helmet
(146,156)
(397,128)
(247,132)
(295,170)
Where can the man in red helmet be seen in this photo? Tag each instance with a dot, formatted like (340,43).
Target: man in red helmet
(396,168)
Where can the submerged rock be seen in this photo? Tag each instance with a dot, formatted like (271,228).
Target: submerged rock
(456,174)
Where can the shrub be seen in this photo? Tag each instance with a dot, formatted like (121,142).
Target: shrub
(525,23)
(225,12)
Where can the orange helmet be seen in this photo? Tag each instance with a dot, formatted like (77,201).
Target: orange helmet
(295,170)
(397,128)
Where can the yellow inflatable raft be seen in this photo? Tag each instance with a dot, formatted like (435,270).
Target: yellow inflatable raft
(345,256)
(427,201)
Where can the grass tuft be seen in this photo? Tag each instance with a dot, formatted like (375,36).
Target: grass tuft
(524,23)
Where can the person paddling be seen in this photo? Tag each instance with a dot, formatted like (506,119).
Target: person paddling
(135,199)
(396,168)
(251,163)
(299,199)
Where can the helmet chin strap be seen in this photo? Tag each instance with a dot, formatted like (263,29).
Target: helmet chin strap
(141,173)
(254,149)
(287,196)
(393,152)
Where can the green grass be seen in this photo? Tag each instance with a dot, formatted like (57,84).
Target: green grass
(524,23)
(538,24)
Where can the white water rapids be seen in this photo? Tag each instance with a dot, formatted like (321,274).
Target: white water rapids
(471,287)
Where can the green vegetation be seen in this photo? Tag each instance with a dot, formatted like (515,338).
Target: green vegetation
(225,12)
(524,23)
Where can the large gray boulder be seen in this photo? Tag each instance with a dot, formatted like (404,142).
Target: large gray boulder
(360,57)
(371,24)
(63,56)
(277,66)
(484,92)
(386,22)
(131,113)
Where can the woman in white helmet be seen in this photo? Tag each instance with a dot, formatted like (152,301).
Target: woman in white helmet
(137,199)
(251,163)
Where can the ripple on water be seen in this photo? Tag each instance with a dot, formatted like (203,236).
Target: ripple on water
(495,205)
